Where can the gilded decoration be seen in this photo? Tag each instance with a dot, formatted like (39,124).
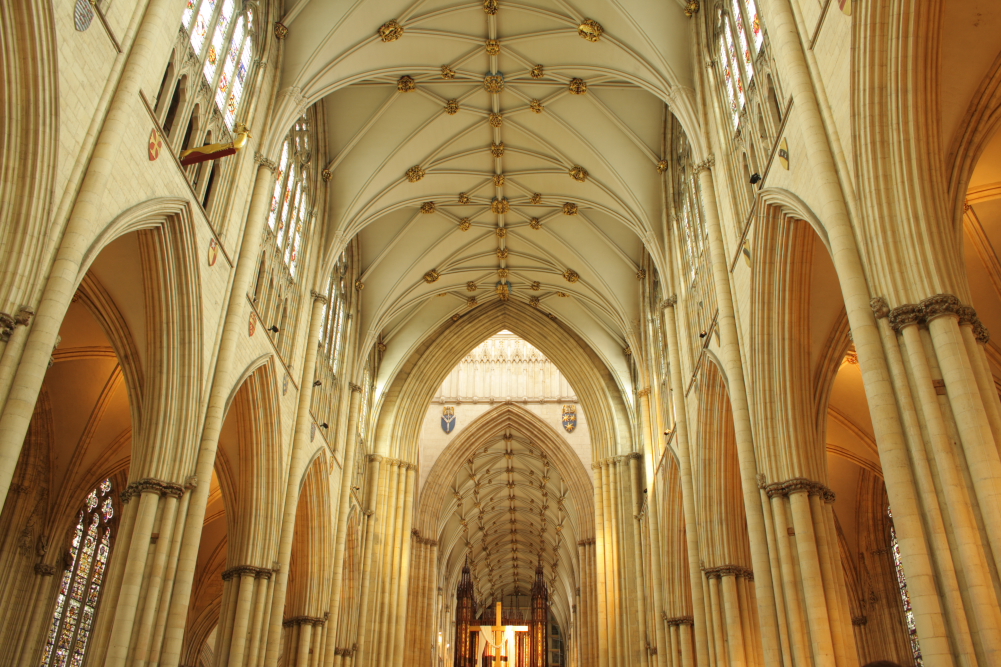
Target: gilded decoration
(563,295)
(502,253)
(452,107)
(490,7)
(492,46)
(447,72)
(641,274)
(578,86)
(534,223)
(471,286)
(326,175)
(662,166)
(502,274)
(503,290)
(533,301)
(281,30)
(463,198)
(359,285)
(501,205)
(692,8)
(499,180)
(465,224)
(415,173)
(501,232)
(428,207)
(493,83)
(538,72)
(536,106)
(590,30)
(406,84)
(571,276)
(578,173)
(390,31)
(496,119)
(432,276)
(536,286)
(536,198)
(497,150)
(569,208)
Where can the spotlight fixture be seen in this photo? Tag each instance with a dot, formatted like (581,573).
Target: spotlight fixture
(324,425)
(755,178)
(316,383)
(703,334)
(273,329)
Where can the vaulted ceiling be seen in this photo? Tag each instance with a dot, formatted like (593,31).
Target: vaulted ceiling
(466,154)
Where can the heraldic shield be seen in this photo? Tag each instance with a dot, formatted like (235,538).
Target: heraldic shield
(569,418)
(448,419)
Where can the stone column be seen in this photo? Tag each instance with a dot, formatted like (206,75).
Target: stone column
(234,331)
(727,323)
(890,437)
(297,467)
(687,489)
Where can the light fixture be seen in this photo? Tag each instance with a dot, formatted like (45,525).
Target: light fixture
(755,178)
(273,328)
(316,383)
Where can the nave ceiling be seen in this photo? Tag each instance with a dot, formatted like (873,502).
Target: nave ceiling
(453,205)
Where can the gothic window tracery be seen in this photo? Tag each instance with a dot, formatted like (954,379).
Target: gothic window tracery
(332,341)
(80,586)
(278,288)
(697,297)
(905,597)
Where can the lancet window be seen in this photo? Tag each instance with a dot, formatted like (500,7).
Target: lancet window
(328,394)
(204,88)
(905,597)
(749,99)
(696,293)
(278,288)
(80,586)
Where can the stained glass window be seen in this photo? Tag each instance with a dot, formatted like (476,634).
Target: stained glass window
(905,597)
(80,586)
(740,39)
(229,54)
(291,202)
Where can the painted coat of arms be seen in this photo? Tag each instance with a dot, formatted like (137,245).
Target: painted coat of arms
(569,418)
(448,419)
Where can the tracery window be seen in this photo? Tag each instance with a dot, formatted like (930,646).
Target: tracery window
(698,296)
(80,586)
(333,338)
(736,53)
(278,293)
(231,45)
(912,631)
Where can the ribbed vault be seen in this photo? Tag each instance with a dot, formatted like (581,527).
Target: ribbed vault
(507,493)
(485,151)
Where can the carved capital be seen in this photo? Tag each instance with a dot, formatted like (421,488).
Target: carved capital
(268,163)
(860,620)
(303,620)
(940,304)
(721,571)
(643,393)
(678,620)
(669,302)
(44,569)
(317,296)
(247,571)
(905,315)
(880,308)
(150,485)
(708,163)
(798,485)
(354,387)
